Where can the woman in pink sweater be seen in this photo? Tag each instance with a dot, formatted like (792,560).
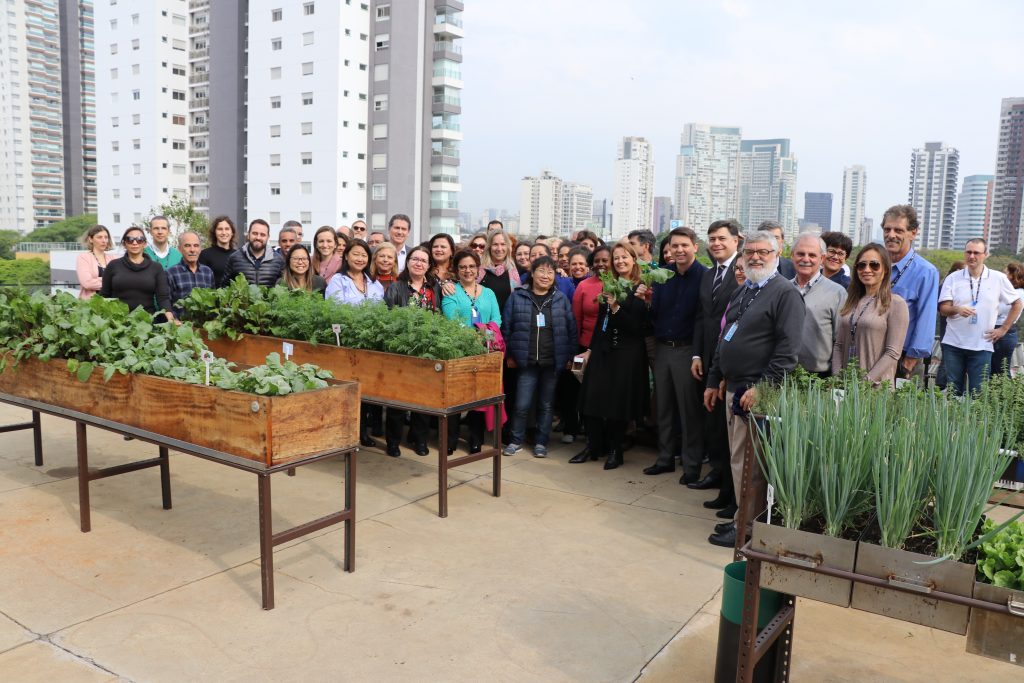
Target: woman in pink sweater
(92,263)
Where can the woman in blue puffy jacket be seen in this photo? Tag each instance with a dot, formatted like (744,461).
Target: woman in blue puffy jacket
(540,340)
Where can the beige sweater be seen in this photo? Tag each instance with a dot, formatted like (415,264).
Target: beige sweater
(879,339)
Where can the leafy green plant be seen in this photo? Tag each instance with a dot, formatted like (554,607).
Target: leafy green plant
(1001,558)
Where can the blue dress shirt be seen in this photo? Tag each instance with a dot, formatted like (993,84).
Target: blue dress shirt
(917,281)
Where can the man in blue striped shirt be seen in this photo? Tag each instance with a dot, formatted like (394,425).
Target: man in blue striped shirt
(914,279)
(189,274)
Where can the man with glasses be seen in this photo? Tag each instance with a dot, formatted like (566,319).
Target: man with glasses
(398,233)
(823,299)
(376,239)
(969,300)
(760,341)
(359,231)
(914,279)
(161,250)
(838,248)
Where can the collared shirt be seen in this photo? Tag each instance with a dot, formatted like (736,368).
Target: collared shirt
(917,281)
(182,281)
(822,300)
(400,258)
(343,289)
(171,257)
(990,290)
(675,304)
(805,289)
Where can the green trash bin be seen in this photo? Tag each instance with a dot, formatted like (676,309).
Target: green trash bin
(729,626)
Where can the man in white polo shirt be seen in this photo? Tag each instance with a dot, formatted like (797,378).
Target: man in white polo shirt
(969,299)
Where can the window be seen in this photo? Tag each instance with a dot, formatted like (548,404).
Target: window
(382,42)
(307,38)
(306,188)
(361,126)
(380,161)
(178,19)
(275,73)
(113,97)
(177,144)
(178,169)
(306,216)
(113,48)
(113,74)
(115,145)
(135,69)
(380,131)
(379,191)
(380,102)
(135,43)
(115,121)
(178,120)
(180,45)
(117,218)
(307,98)
(275,131)
(275,159)
(377,221)
(307,158)
(136,95)
(360,156)
(275,15)
(362,97)
(383,12)
(113,24)
(136,143)
(380,72)
(307,68)
(178,70)
(362,67)
(115,193)
(137,192)
(275,189)
(275,102)
(307,128)
(180,95)
(136,169)
(135,20)
(275,43)
(308,8)
(115,169)
(136,119)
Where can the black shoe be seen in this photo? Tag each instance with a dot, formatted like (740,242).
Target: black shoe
(582,456)
(452,447)
(727,513)
(726,539)
(687,479)
(722,527)
(712,481)
(614,460)
(421,449)
(393,450)
(658,469)
(367,442)
(719,503)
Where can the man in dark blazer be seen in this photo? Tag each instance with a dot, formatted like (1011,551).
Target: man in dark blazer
(716,288)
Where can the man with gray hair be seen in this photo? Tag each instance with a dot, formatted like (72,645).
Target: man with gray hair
(823,298)
(189,274)
(775,228)
(760,341)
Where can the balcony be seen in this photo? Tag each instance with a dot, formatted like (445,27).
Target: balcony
(203,77)
(198,153)
(448,25)
(198,178)
(447,78)
(446,49)
(199,54)
(199,103)
(203,128)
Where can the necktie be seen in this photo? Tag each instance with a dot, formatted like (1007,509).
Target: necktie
(719,278)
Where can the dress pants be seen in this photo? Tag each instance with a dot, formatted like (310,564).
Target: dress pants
(680,410)
(742,439)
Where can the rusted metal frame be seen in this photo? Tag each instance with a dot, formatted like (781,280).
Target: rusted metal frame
(496,446)
(748,658)
(442,465)
(37,434)
(772,630)
(746,487)
(784,652)
(15,427)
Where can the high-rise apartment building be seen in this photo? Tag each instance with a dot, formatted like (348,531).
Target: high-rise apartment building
(577,207)
(855,186)
(867,231)
(662,219)
(1007,228)
(78,105)
(932,193)
(767,187)
(818,209)
(707,175)
(633,204)
(415,99)
(31,130)
(307,112)
(973,210)
(540,205)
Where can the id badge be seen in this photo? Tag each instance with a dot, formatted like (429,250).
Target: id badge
(475,315)
(853,353)
(540,320)
(973,320)
(730,332)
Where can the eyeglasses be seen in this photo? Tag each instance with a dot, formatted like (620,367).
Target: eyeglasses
(358,228)
(836,252)
(875,266)
(134,240)
(471,266)
(478,245)
(300,260)
(763,253)
(418,260)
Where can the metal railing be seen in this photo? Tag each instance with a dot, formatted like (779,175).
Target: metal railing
(47,247)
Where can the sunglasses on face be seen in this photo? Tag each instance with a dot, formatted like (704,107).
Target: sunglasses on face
(134,240)
(875,266)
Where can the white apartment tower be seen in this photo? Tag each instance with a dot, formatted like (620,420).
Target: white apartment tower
(973,209)
(767,187)
(78,106)
(633,204)
(141,109)
(307,112)
(855,185)
(31,132)
(932,192)
(541,205)
(577,208)
(707,175)
(1008,189)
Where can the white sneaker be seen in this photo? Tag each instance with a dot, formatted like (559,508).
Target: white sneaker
(568,438)
(540,451)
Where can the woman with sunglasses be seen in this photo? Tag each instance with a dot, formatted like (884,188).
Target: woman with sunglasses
(298,274)
(136,279)
(478,243)
(873,322)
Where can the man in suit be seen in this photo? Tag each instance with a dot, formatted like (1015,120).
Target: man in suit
(716,288)
(786,268)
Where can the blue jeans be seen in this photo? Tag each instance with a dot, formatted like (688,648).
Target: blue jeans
(961,364)
(1003,351)
(541,381)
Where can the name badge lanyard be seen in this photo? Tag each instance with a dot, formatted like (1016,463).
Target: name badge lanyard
(854,319)
(810,285)
(905,269)
(975,295)
(541,322)
(474,312)
(743,309)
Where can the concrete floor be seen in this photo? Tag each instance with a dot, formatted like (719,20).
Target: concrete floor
(574,574)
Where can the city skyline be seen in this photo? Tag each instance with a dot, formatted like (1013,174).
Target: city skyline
(882,99)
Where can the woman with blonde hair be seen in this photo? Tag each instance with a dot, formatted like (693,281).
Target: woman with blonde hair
(91,264)
(382,267)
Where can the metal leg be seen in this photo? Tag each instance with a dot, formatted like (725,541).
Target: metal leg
(496,475)
(83,477)
(266,542)
(748,624)
(350,506)
(37,437)
(784,649)
(442,466)
(165,477)
(743,504)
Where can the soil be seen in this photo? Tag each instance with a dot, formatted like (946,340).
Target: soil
(816,525)
(921,541)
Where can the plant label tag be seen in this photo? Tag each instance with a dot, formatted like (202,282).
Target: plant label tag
(206,357)
(730,332)
(838,395)
(900,381)
(288,349)
(540,320)
(771,501)
(336,329)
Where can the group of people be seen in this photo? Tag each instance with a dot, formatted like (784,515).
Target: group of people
(708,335)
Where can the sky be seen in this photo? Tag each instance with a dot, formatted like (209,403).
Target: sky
(555,84)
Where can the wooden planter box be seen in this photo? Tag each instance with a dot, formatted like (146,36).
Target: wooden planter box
(269,429)
(800,551)
(390,377)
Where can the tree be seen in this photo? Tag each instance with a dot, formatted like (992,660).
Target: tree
(8,238)
(182,215)
(29,271)
(67,230)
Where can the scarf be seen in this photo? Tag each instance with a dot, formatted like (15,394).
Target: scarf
(329,267)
